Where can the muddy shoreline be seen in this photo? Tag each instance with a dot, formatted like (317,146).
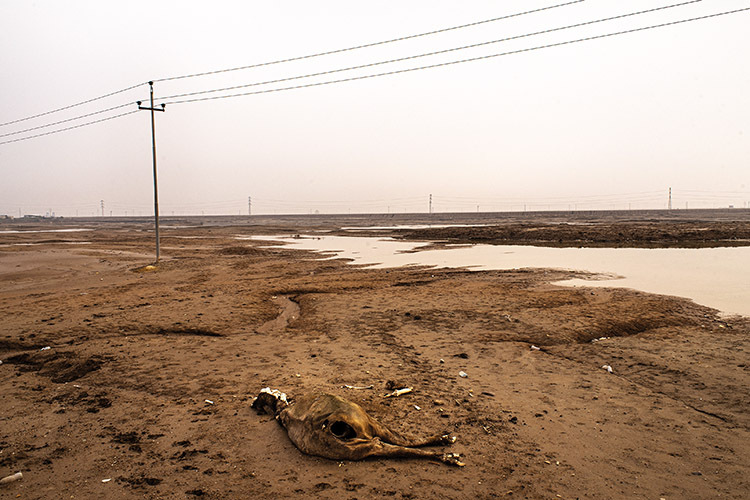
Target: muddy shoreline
(136,355)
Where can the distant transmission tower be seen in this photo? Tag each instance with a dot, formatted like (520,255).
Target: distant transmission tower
(249,205)
(670,199)
(102,202)
(430,210)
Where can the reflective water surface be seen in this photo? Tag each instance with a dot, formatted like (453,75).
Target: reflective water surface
(716,277)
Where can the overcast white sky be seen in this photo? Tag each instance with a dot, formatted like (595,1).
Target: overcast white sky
(608,123)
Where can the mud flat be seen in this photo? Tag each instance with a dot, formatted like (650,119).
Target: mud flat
(146,387)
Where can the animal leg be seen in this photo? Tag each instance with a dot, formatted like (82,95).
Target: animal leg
(395,438)
(377,448)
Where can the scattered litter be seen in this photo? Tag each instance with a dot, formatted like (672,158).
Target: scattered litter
(297,375)
(76,386)
(45,348)
(608,368)
(399,392)
(357,387)
(417,407)
(462,374)
(9,479)
(599,339)
(107,480)
(535,348)
(438,402)
(209,401)
(442,360)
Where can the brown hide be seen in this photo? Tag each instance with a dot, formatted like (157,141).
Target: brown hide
(332,427)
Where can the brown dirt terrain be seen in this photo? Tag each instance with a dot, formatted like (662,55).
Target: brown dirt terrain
(150,373)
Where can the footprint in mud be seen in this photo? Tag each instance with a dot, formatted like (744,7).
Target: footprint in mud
(140,481)
(93,403)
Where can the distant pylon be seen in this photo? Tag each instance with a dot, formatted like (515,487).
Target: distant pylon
(670,198)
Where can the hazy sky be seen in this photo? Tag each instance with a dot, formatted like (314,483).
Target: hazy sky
(607,123)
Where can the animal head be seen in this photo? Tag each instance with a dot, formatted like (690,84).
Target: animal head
(270,401)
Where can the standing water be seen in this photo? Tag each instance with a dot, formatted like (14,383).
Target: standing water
(715,277)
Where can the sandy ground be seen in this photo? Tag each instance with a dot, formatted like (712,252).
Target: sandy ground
(146,387)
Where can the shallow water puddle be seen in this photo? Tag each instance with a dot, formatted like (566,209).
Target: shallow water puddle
(715,277)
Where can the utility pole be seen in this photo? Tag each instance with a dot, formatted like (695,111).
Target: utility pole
(102,202)
(153,147)
(249,205)
(670,198)
(430,204)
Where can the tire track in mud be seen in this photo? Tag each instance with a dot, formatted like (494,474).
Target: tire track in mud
(649,387)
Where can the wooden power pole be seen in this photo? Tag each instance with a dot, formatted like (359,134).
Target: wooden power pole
(153,147)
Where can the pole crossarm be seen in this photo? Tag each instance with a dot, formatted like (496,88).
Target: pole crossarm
(151,109)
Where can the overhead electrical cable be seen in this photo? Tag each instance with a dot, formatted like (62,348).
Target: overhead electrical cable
(70,128)
(68,120)
(293,59)
(427,54)
(72,105)
(472,59)
(373,44)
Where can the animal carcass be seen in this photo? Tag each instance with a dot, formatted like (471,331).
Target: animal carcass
(332,427)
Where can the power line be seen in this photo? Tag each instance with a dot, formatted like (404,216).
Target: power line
(70,128)
(443,30)
(472,59)
(427,54)
(72,105)
(68,120)
(338,51)
(449,63)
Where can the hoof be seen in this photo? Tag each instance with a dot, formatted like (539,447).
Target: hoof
(447,439)
(453,459)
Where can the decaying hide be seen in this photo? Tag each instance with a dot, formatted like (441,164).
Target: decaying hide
(332,427)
